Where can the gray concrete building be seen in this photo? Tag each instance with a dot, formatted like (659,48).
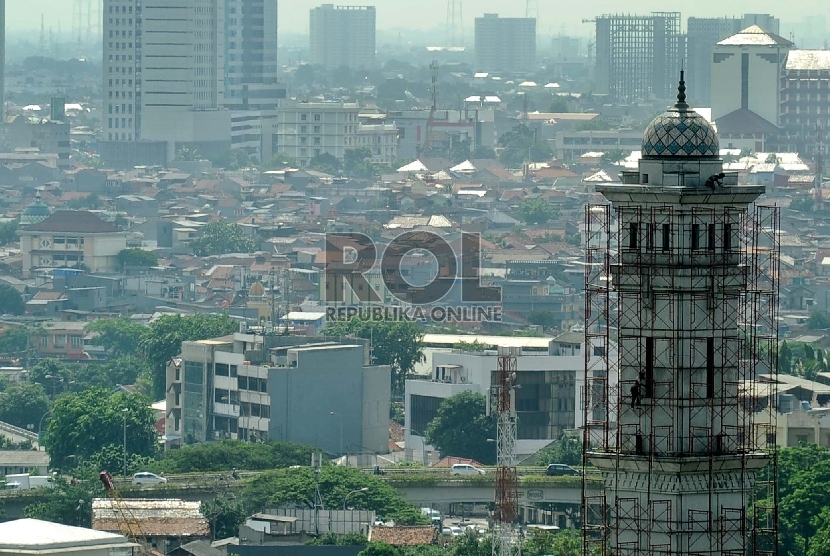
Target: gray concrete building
(505,45)
(342,36)
(325,396)
(702,34)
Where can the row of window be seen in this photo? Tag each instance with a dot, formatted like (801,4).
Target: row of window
(125,122)
(122,108)
(124,137)
(121,94)
(698,239)
(123,10)
(252,384)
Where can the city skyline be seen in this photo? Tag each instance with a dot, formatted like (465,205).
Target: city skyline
(429,14)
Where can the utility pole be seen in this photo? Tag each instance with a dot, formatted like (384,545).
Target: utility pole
(316,463)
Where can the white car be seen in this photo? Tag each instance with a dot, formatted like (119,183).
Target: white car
(456,531)
(147,478)
(466,469)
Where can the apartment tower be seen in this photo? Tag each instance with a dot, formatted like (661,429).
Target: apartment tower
(505,44)
(342,36)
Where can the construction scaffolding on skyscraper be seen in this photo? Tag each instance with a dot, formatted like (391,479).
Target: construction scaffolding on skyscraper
(681,422)
(502,399)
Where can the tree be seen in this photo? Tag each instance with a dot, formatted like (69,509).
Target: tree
(333,539)
(558,105)
(461,428)
(818,320)
(595,124)
(83,423)
(613,156)
(280,161)
(11,302)
(380,549)
(14,340)
(545,319)
(66,503)
(220,237)
(537,211)
(8,232)
(227,454)
(164,340)
(326,163)
(187,154)
(470,347)
(483,151)
(785,359)
(119,336)
(91,201)
(397,344)
(567,450)
(460,151)
(804,493)
(23,405)
(519,145)
(225,514)
(137,257)
(358,163)
(275,488)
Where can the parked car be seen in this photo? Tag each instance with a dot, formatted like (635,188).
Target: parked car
(147,478)
(456,531)
(559,469)
(466,469)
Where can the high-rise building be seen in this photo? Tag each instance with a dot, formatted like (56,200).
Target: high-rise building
(164,73)
(308,129)
(505,45)
(342,36)
(251,55)
(251,88)
(805,102)
(702,34)
(638,57)
(746,74)
(2,59)
(677,423)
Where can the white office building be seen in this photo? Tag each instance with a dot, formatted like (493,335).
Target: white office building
(381,139)
(308,129)
(342,36)
(164,73)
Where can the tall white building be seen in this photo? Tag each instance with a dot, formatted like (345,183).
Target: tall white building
(342,36)
(505,44)
(164,74)
(746,74)
(308,129)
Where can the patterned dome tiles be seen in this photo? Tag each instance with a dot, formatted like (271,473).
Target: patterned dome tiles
(680,132)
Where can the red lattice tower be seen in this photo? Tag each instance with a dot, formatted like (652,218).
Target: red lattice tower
(507,541)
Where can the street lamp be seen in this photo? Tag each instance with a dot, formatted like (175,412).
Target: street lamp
(423,445)
(63,463)
(364,489)
(124,413)
(40,428)
(333,414)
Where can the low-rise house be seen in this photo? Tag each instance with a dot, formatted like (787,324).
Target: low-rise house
(33,537)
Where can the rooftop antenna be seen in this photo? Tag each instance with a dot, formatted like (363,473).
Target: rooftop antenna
(455,25)
(42,35)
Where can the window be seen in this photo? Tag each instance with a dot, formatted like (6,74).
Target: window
(221,395)
(233,370)
(303,117)
(222,369)
(317,117)
(77,341)
(650,237)
(633,231)
(710,237)
(666,237)
(317,129)
(263,385)
(710,368)
(695,236)
(648,379)
(303,129)
(645,178)
(242,382)
(727,237)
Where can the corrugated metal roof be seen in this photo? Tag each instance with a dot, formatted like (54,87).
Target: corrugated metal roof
(808,60)
(158,518)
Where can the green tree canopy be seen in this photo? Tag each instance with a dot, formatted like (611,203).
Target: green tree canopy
(23,405)
(119,336)
(164,340)
(818,320)
(225,514)
(325,162)
(537,211)
(137,257)
(296,486)
(803,493)
(8,232)
(567,450)
(397,344)
(11,302)
(279,161)
(461,428)
(14,339)
(558,105)
(227,454)
(220,237)
(483,151)
(545,319)
(358,163)
(83,423)
(66,503)
(520,144)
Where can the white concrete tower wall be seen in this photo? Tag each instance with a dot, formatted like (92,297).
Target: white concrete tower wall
(675,444)
(251,55)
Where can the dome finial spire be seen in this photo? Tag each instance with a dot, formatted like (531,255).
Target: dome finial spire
(681,89)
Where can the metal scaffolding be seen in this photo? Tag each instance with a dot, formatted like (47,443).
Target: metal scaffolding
(507,541)
(680,308)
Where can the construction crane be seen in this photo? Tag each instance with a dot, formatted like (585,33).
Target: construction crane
(507,541)
(128,525)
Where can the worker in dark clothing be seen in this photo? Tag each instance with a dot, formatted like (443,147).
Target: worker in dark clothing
(635,394)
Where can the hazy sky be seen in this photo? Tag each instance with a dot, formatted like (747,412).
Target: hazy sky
(426,14)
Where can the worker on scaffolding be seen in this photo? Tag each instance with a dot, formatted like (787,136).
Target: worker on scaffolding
(636,392)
